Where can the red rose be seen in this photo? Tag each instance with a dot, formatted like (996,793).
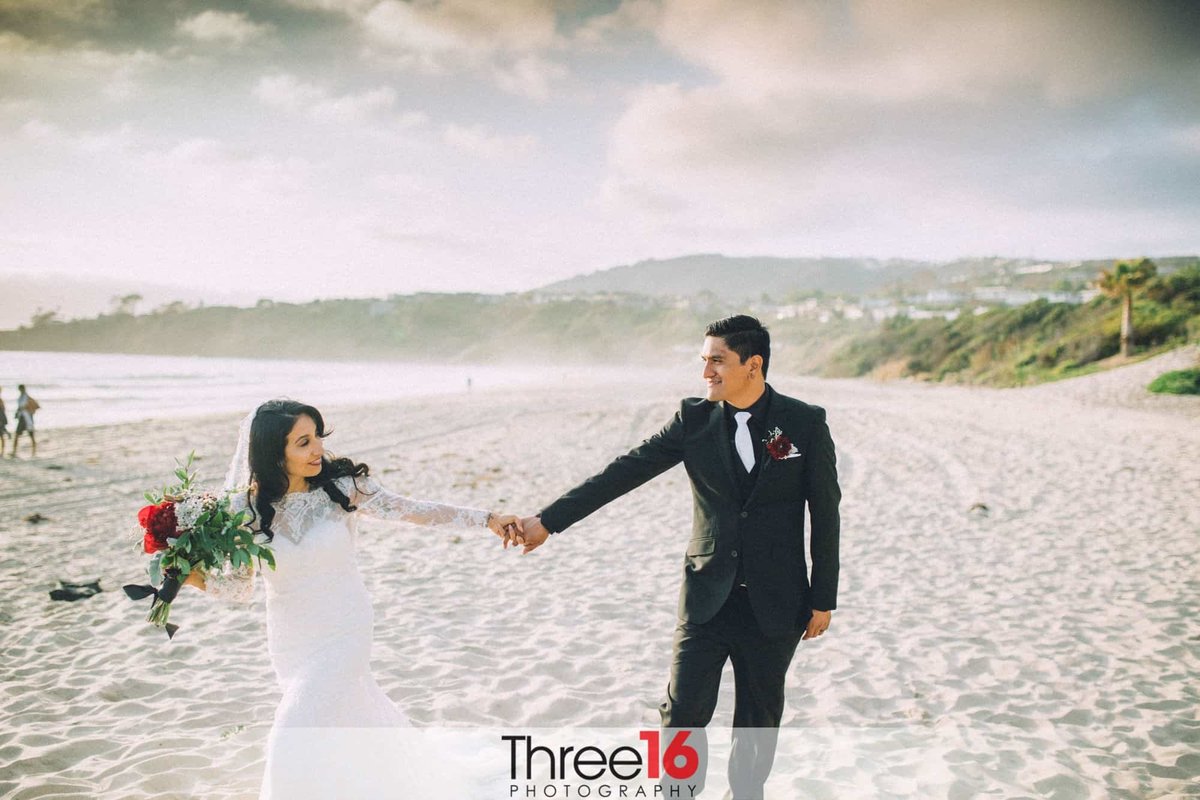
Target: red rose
(144,516)
(159,523)
(779,447)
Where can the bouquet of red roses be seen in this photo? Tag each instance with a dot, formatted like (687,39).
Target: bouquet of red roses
(185,529)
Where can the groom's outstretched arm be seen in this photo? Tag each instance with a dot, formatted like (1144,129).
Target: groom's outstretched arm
(652,457)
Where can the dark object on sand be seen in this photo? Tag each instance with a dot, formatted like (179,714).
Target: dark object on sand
(979,510)
(34,519)
(70,592)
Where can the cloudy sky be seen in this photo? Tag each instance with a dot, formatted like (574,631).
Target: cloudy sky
(308,148)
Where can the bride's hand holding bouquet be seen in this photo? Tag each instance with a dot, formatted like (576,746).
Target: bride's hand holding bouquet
(188,533)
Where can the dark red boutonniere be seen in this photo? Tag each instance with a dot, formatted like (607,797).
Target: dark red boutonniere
(779,446)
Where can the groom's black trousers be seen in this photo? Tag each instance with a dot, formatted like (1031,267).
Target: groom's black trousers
(760,665)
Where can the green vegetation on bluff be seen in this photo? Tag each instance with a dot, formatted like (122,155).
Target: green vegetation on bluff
(461,327)
(1036,342)
(465,328)
(1181,381)
(1003,346)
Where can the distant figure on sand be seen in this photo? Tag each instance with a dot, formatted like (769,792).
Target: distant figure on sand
(3,425)
(26,406)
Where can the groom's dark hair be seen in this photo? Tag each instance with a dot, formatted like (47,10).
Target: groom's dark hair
(745,336)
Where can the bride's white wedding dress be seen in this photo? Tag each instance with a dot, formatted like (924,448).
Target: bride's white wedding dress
(319,631)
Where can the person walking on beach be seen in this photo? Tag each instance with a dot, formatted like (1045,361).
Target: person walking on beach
(26,406)
(3,426)
(756,458)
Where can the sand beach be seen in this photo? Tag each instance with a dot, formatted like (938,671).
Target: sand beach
(1018,611)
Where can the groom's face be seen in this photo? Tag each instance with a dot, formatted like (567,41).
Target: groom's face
(725,376)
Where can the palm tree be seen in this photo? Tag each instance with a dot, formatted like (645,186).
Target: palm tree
(1123,280)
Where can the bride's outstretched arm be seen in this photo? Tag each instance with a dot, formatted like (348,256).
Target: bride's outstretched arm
(374,500)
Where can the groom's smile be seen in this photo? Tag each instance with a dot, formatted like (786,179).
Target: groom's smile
(726,377)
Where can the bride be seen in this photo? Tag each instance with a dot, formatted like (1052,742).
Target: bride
(319,617)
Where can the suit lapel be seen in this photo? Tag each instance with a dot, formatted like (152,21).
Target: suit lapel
(772,422)
(719,436)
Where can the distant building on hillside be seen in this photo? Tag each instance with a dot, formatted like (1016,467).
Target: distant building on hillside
(1006,295)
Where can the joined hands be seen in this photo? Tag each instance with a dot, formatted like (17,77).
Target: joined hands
(507,526)
(535,534)
(528,532)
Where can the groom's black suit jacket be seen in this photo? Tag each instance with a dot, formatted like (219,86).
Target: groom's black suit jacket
(766,530)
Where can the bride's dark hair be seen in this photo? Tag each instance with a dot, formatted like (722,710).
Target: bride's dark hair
(273,421)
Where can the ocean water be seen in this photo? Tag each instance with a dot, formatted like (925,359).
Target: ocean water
(100,389)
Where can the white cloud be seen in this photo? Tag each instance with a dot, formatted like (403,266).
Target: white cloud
(123,138)
(222,26)
(369,105)
(355,107)
(529,76)
(69,10)
(287,92)
(403,33)
(897,52)
(631,16)
(477,141)
(508,41)
(39,66)
(466,29)
(867,105)
(349,7)
(221,174)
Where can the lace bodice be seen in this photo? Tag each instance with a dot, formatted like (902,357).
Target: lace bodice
(299,514)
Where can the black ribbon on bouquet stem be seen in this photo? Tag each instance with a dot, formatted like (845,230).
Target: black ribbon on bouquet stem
(164,594)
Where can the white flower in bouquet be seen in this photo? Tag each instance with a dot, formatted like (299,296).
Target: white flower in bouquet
(192,506)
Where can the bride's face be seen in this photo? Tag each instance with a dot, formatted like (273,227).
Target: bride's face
(302,455)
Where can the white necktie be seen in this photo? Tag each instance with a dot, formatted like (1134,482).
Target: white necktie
(741,440)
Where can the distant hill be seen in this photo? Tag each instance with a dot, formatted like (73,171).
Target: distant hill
(749,278)
(444,327)
(461,328)
(745,278)
(1001,346)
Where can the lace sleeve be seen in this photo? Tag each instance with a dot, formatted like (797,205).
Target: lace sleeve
(231,585)
(373,500)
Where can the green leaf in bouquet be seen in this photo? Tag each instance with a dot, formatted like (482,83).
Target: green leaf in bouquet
(155,570)
(185,568)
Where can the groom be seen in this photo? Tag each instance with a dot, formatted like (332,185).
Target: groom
(755,458)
